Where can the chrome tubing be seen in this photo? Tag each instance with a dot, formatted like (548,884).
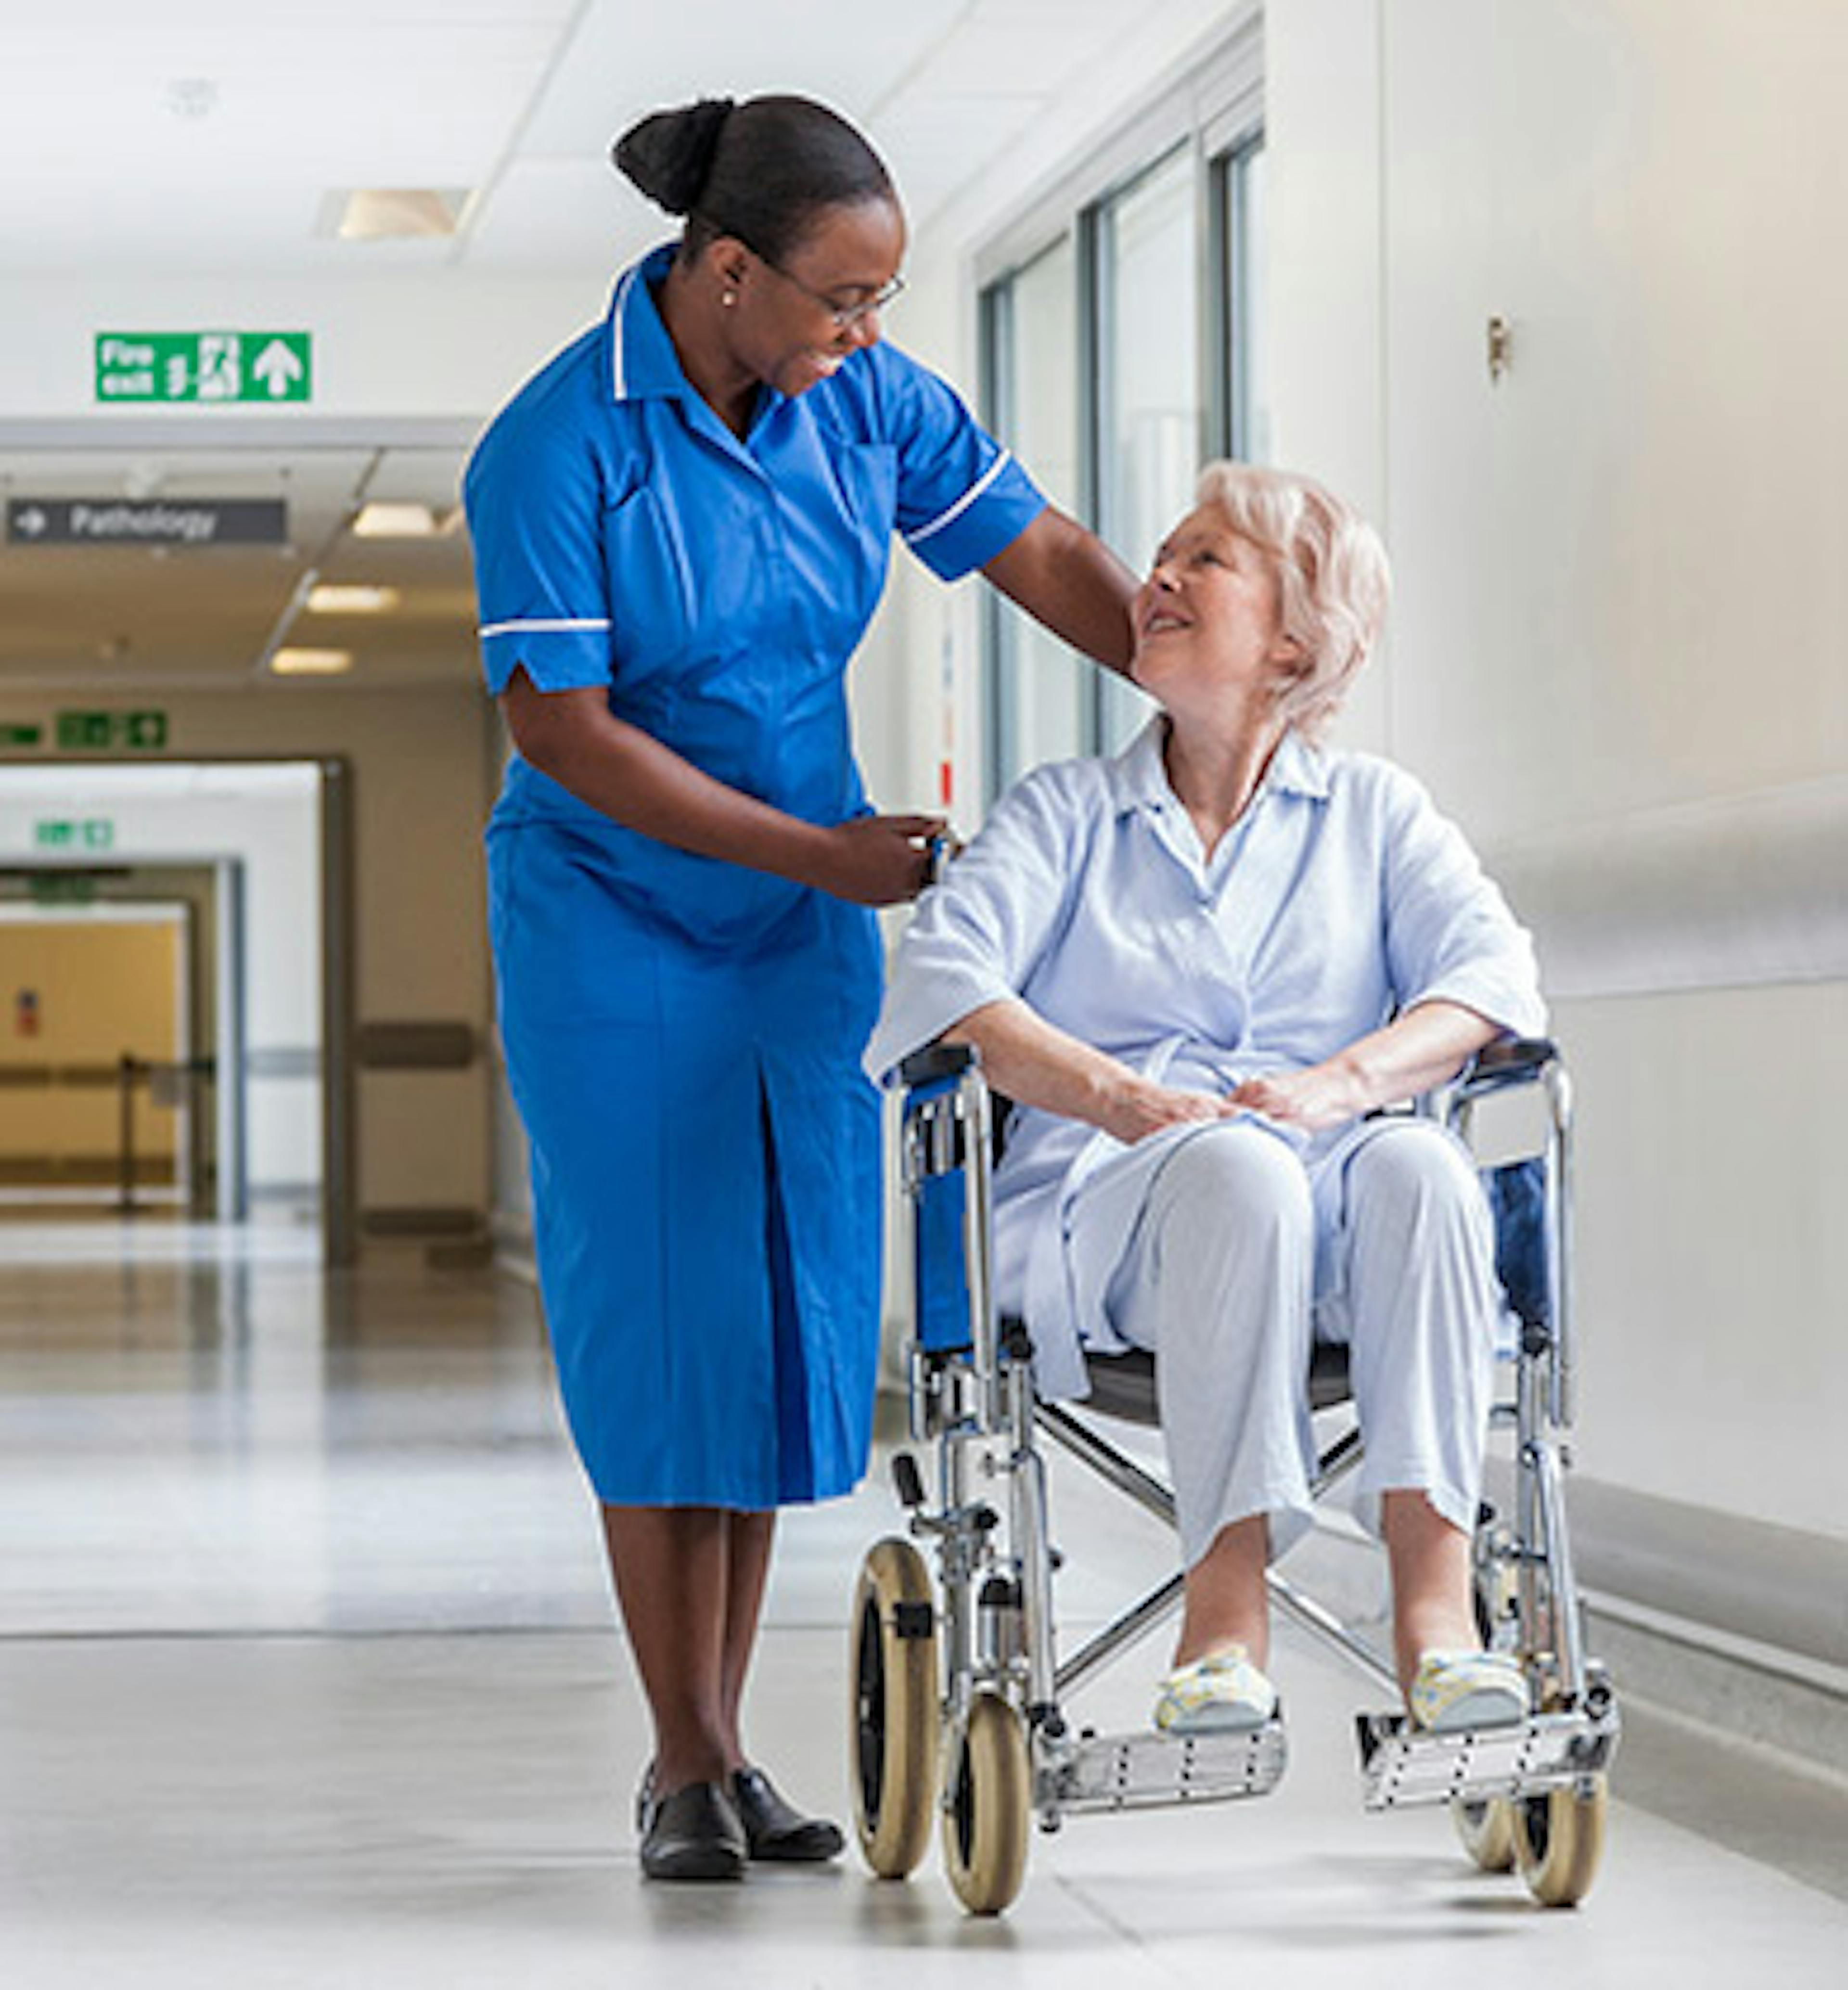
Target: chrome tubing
(1123,1631)
(1307,1611)
(984,1339)
(1108,1462)
(1560,1406)
(1567,1633)
(1032,1547)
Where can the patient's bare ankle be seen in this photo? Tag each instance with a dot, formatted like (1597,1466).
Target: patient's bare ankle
(1226,1602)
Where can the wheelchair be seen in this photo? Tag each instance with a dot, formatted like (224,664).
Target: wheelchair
(960,1689)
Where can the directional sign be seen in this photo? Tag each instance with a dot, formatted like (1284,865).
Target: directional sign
(147,521)
(94,732)
(267,366)
(93,833)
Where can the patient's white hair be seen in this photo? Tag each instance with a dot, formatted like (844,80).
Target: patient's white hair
(1333,579)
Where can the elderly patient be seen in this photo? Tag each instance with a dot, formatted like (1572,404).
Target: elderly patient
(1196,968)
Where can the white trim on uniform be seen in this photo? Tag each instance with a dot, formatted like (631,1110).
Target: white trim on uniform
(618,384)
(549,627)
(963,503)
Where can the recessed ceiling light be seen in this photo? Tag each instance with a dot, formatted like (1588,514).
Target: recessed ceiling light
(311,663)
(404,521)
(400,214)
(331,598)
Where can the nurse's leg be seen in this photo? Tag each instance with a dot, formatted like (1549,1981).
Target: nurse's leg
(671,1566)
(1216,1280)
(749,1540)
(1421,1298)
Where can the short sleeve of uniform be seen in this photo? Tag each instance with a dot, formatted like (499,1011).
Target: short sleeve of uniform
(962,498)
(533,497)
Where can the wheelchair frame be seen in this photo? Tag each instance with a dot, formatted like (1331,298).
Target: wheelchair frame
(961,1674)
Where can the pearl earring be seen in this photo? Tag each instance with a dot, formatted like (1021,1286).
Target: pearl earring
(729,297)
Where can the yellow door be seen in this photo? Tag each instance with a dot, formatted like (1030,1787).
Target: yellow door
(82,991)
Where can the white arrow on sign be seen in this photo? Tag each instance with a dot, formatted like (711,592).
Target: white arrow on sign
(278,368)
(32,523)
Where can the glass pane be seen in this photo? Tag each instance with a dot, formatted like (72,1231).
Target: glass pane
(1150,383)
(1042,688)
(1247,215)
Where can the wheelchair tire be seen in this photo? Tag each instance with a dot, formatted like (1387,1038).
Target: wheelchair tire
(1559,1841)
(893,1737)
(1487,1832)
(987,1806)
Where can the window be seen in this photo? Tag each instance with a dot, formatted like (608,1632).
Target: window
(1123,345)
(1039,707)
(1240,313)
(1147,381)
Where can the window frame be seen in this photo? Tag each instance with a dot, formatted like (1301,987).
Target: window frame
(1216,115)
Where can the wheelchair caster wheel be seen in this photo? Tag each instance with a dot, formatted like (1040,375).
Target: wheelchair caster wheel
(893,1743)
(1487,1832)
(1558,1840)
(987,1808)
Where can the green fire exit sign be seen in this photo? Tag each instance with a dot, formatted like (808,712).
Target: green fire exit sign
(267,366)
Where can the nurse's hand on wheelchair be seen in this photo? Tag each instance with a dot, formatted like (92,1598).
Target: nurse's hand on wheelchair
(877,860)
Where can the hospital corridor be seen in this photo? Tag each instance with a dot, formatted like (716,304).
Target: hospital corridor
(1062,786)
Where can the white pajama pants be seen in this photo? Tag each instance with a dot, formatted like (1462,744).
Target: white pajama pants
(1240,1254)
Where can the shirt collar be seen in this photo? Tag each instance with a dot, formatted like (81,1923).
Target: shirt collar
(643,363)
(1138,779)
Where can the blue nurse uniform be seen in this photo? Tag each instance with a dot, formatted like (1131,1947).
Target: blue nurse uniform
(682,1035)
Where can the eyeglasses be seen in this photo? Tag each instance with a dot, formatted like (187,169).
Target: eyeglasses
(844,316)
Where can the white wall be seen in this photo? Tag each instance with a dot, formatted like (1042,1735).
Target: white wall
(1617,639)
(1618,631)
(390,346)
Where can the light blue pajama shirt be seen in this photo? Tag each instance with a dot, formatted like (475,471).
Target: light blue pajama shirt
(1340,898)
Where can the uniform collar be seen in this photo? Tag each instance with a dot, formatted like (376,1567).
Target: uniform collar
(645,366)
(1139,779)
(643,363)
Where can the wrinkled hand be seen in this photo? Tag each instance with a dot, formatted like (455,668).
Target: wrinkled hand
(878,860)
(1313,1099)
(1141,1108)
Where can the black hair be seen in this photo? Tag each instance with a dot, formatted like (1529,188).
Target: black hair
(761,170)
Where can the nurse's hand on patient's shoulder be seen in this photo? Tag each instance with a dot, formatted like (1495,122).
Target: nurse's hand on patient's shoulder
(877,860)
(1138,1107)
(1313,1099)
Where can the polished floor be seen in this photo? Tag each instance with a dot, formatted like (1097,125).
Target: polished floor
(307,1678)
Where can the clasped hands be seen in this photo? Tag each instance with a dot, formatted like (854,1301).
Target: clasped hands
(1309,1101)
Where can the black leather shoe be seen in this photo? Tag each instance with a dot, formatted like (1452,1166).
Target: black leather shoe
(774,1829)
(695,1834)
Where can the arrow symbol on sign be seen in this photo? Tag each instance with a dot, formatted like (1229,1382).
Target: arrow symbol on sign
(30,523)
(278,368)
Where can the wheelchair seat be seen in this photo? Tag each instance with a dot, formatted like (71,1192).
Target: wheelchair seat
(1122,1386)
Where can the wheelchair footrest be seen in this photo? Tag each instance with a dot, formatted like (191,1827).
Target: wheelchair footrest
(1108,1772)
(1401,1764)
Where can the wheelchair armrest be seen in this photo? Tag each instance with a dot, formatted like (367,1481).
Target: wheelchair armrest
(1512,1060)
(936,1062)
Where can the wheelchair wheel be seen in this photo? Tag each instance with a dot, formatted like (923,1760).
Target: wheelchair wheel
(1558,1840)
(1487,1832)
(988,1808)
(893,1742)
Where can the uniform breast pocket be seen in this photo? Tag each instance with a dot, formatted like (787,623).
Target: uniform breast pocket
(869,481)
(652,595)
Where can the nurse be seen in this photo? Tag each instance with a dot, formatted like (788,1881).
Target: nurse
(681,528)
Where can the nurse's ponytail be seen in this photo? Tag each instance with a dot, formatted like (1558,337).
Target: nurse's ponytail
(760,171)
